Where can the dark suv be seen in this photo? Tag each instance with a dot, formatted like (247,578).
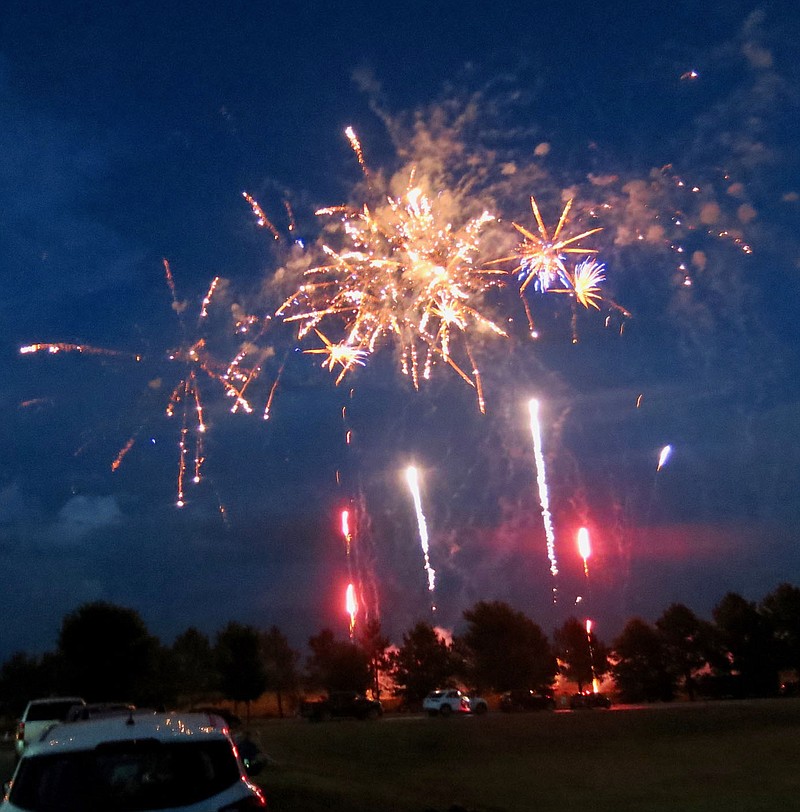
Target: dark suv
(524,699)
(342,704)
(589,699)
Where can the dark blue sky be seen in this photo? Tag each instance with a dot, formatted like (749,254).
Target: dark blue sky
(128,135)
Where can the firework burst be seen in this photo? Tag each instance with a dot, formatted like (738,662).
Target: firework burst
(541,257)
(543,261)
(186,398)
(405,275)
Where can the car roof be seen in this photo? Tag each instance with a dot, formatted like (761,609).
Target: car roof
(57,700)
(87,734)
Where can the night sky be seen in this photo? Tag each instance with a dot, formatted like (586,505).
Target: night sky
(128,135)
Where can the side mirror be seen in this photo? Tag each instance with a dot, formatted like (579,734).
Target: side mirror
(254,765)
(253,760)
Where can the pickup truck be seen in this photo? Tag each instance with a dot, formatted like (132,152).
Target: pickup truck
(342,704)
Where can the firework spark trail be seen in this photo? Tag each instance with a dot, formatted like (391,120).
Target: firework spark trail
(346,533)
(663,457)
(292,225)
(351,606)
(541,481)
(412,477)
(272,390)
(84,349)
(261,219)
(122,453)
(584,549)
(356,146)
(207,299)
(590,643)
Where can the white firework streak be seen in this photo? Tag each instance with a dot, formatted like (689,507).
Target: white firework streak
(541,481)
(413,483)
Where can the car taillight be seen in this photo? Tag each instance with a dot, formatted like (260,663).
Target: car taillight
(20,731)
(247,804)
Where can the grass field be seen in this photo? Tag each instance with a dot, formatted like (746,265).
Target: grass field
(732,756)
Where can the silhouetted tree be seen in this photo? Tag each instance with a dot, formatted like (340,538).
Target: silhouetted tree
(374,644)
(752,653)
(280,664)
(687,644)
(781,608)
(422,663)
(196,676)
(24,676)
(639,664)
(107,653)
(336,665)
(506,649)
(241,669)
(581,656)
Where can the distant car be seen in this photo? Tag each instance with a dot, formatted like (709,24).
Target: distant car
(142,761)
(589,699)
(40,715)
(526,700)
(446,701)
(342,704)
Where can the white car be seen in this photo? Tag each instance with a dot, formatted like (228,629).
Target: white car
(445,702)
(41,714)
(478,705)
(142,761)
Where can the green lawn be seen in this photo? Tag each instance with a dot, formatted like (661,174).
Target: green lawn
(737,757)
(731,756)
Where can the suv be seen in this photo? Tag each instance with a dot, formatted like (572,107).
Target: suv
(445,702)
(589,699)
(142,761)
(341,704)
(524,699)
(41,714)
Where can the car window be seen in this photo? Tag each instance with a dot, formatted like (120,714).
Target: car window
(44,711)
(125,776)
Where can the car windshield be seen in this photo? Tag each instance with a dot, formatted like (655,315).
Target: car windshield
(125,776)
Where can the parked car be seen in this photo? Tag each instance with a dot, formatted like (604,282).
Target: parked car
(589,699)
(524,699)
(143,761)
(445,702)
(40,715)
(341,704)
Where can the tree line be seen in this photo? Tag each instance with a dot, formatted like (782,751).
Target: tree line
(106,653)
